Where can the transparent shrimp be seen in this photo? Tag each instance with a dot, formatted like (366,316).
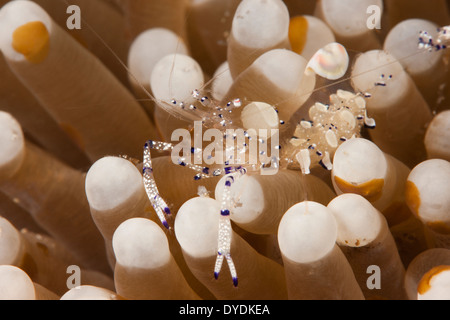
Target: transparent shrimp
(310,144)
(440,42)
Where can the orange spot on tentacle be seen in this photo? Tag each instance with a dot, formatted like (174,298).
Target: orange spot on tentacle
(424,284)
(412,197)
(371,190)
(32,40)
(298,33)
